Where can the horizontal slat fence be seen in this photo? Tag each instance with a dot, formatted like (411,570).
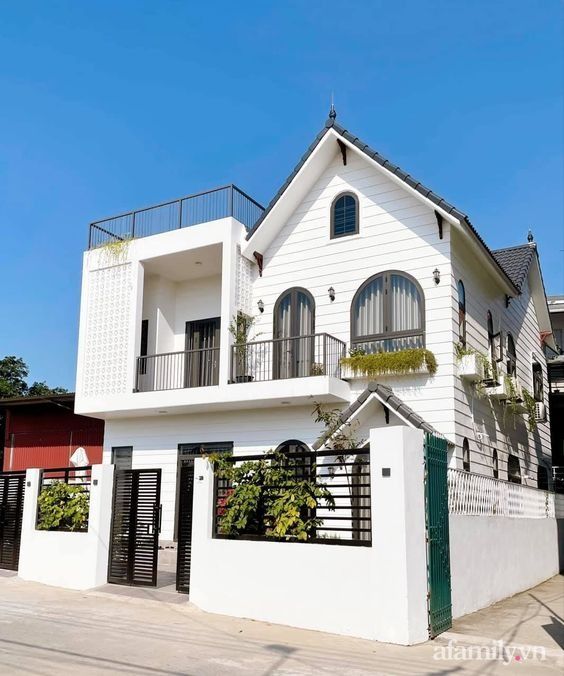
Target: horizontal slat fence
(346,475)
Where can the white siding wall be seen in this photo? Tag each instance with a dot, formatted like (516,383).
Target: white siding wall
(505,432)
(397,232)
(155,440)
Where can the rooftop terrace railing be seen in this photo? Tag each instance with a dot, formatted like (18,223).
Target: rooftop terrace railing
(181,213)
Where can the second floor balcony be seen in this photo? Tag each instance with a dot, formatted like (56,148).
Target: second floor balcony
(258,361)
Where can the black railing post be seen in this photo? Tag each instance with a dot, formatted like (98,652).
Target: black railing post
(133,225)
(325,369)
(231,189)
(180,215)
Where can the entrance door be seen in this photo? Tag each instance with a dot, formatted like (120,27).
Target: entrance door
(294,328)
(187,453)
(438,548)
(202,353)
(134,544)
(12,487)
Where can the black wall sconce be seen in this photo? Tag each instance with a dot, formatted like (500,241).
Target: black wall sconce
(331,292)
(260,306)
(437,275)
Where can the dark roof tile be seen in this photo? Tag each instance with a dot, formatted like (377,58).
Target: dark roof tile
(516,260)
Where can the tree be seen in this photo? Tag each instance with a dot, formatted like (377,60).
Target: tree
(13,372)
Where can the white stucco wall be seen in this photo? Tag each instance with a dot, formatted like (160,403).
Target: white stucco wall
(376,592)
(494,557)
(65,559)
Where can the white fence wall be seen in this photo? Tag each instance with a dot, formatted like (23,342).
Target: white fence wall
(65,559)
(377,592)
(492,557)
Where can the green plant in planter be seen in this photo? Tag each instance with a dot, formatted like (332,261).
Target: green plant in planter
(530,403)
(116,251)
(461,351)
(317,369)
(240,328)
(385,363)
(269,497)
(63,506)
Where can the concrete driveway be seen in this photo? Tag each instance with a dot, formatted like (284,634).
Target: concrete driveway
(44,630)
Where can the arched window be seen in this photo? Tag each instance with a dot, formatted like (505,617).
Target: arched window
(511,356)
(388,313)
(542,478)
(491,346)
(294,329)
(513,469)
(495,464)
(461,313)
(344,215)
(465,455)
(538,388)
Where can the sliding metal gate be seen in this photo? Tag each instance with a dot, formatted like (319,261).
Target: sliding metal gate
(184,549)
(438,548)
(12,487)
(134,545)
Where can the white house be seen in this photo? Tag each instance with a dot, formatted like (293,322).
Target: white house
(352,253)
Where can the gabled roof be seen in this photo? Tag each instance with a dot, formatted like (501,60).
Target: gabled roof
(516,261)
(387,397)
(409,180)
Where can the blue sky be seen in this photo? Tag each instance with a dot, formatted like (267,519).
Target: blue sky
(109,106)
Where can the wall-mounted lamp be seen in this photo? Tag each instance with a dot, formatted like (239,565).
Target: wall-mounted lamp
(437,275)
(331,292)
(260,306)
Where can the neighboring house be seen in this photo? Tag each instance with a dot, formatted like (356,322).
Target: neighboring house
(556,379)
(352,252)
(44,432)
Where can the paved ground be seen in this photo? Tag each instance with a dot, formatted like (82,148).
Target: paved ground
(46,631)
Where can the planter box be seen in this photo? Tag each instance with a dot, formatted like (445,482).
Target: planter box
(471,368)
(347,374)
(503,391)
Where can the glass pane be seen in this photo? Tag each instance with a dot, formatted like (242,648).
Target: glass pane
(368,315)
(405,305)
(344,216)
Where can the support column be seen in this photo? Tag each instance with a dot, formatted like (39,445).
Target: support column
(397,468)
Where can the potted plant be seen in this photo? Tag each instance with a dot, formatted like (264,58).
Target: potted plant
(472,365)
(240,328)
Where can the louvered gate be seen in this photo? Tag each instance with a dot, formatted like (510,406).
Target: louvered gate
(12,487)
(185,497)
(438,547)
(134,545)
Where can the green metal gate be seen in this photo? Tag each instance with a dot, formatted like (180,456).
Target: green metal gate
(438,550)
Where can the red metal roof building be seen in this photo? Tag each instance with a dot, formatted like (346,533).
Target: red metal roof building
(44,432)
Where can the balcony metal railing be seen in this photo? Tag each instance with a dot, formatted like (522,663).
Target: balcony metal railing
(178,370)
(181,213)
(314,355)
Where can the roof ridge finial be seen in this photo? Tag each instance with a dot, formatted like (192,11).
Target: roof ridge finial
(530,237)
(332,111)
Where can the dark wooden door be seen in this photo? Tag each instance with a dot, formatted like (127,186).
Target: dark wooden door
(134,543)
(12,487)
(184,546)
(202,352)
(294,328)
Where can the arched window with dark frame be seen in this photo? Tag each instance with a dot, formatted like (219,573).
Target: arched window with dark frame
(461,313)
(495,464)
(388,313)
(491,346)
(538,387)
(542,478)
(466,455)
(344,215)
(294,334)
(511,356)
(513,469)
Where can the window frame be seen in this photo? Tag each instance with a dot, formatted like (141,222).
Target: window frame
(538,392)
(511,476)
(495,464)
(542,478)
(511,363)
(345,193)
(355,340)
(294,324)
(466,455)
(461,313)
(129,449)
